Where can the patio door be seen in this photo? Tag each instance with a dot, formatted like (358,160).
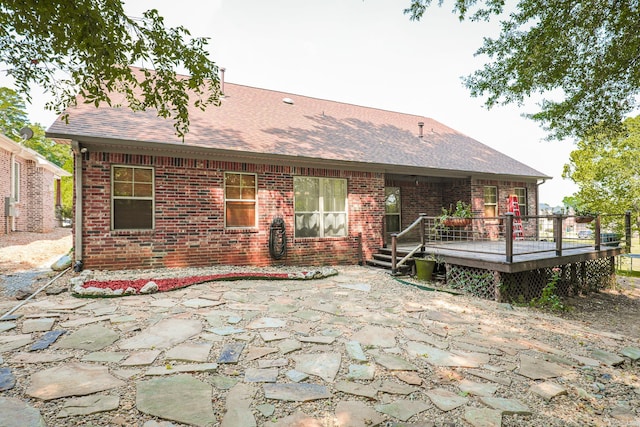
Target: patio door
(392,219)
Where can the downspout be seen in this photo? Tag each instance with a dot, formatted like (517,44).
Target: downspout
(9,226)
(77,220)
(538,184)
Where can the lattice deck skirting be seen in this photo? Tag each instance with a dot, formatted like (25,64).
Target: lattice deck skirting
(575,279)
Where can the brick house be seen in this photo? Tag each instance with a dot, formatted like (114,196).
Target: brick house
(30,189)
(337,175)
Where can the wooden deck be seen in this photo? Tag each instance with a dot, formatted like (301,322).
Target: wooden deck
(528,255)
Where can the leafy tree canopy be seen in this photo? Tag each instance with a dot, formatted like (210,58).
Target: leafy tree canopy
(85,47)
(582,57)
(607,172)
(13,117)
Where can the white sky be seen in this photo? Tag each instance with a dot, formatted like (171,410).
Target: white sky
(364,52)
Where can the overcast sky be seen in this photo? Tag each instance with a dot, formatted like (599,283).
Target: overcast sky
(364,52)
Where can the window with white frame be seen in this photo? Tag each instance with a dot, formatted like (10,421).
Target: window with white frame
(320,207)
(132,198)
(521,192)
(490,201)
(16,181)
(240,200)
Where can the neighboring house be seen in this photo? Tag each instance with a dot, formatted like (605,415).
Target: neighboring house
(338,175)
(30,189)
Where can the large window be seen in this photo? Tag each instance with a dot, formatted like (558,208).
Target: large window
(392,209)
(240,190)
(521,192)
(490,202)
(320,207)
(132,198)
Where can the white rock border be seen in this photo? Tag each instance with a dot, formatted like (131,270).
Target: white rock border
(78,290)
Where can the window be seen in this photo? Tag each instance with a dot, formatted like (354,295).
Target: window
(521,192)
(490,202)
(240,200)
(132,198)
(320,207)
(392,209)
(16,181)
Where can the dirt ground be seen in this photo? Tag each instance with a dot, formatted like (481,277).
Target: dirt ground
(21,251)
(612,310)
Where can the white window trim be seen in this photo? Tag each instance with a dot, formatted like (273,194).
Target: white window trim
(321,211)
(496,204)
(522,202)
(255,201)
(152,198)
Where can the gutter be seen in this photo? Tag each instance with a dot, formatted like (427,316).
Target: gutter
(77,220)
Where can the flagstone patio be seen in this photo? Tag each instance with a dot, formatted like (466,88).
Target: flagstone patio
(356,349)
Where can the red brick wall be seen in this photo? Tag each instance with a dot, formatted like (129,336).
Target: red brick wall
(189,218)
(505,188)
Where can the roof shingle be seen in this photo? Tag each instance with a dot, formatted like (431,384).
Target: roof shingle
(257,120)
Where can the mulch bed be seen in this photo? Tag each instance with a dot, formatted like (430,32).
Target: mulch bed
(165,285)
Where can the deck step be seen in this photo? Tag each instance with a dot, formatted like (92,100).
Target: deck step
(382,259)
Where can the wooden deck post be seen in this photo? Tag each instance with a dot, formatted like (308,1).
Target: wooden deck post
(422,239)
(627,232)
(508,236)
(394,250)
(598,237)
(557,233)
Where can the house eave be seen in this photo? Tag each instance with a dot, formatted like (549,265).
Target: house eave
(206,153)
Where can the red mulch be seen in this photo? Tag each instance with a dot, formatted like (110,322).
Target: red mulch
(180,282)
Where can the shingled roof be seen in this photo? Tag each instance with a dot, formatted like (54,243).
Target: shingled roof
(272,123)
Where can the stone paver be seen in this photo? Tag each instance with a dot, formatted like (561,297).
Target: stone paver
(446,400)
(88,405)
(37,325)
(73,379)
(90,338)
(548,390)
(606,357)
(357,389)
(377,336)
(364,351)
(46,340)
(538,369)
(231,352)
(506,406)
(16,413)
(164,334)
(189,352)
(351,413)
(180,398)
(301,392)
(7,379)
(323,365)
(403,409)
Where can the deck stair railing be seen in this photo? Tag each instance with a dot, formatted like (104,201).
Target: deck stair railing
(418,223)
(543,233)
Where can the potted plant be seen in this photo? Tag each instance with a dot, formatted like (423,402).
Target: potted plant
(425,266)
(584,216)
(458,217)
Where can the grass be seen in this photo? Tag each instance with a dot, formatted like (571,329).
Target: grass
(625,267)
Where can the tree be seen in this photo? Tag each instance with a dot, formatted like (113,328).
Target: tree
(86,47)
(581,57)
(13,117)
(607,173)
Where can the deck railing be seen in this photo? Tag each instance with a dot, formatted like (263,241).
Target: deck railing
(531,235)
